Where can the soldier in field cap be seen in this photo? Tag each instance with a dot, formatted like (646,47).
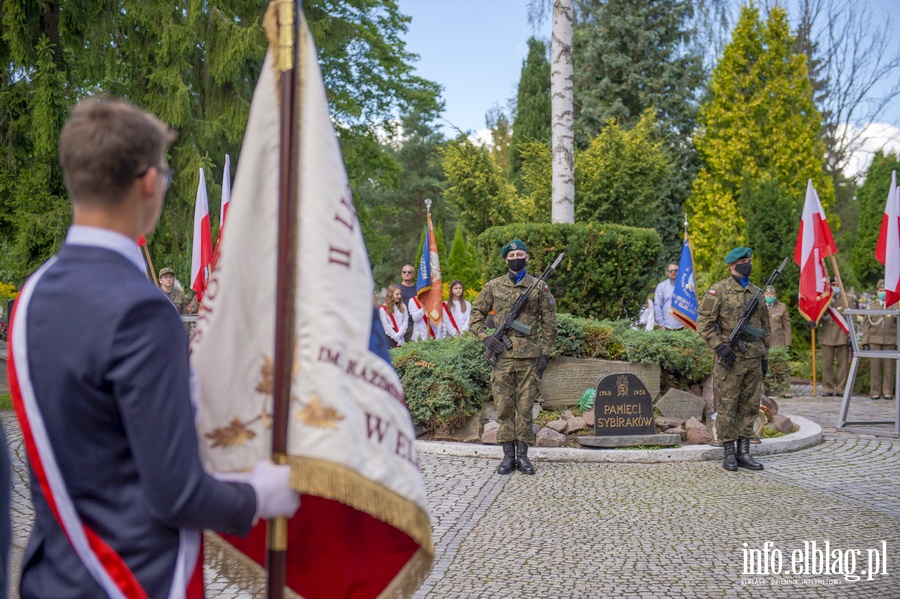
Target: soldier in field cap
(514,380)
(737,374)
(175,295)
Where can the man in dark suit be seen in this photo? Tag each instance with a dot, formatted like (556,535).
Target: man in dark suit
(100,379)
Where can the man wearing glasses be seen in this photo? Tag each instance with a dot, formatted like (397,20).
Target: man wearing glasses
(408,289)
(662,301)
(102,387)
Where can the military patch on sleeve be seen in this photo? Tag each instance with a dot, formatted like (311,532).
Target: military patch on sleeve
(708,303)
(711,292)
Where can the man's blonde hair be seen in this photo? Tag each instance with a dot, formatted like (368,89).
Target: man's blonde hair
(105,145)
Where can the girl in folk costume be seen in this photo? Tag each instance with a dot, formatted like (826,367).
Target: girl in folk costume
(421,326)
(456,311)
(394,317)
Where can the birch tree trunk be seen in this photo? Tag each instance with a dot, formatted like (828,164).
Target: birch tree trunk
(562,107)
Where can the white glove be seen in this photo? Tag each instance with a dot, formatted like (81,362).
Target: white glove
(274,496)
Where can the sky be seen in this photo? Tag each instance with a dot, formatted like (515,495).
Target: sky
(475,49)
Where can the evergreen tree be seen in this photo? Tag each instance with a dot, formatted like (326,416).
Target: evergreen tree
(532,118)
(194,65)
(618,177)
(477,186)
(395,205)
(759,122)
(633,56)
(461,263)
(497,121)
(872,197)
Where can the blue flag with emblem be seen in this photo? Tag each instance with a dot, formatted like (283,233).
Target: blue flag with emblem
(684,300)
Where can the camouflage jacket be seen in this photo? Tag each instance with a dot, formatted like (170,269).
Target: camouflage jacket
(720,312)
(177,297)
(499,295)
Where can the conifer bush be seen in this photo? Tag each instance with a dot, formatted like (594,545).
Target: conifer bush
(607,271)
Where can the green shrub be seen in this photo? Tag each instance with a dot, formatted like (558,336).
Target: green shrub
(445,381)
(606,274)
(778,380)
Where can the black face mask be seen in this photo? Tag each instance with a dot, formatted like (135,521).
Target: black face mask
(516,264)
(744,269)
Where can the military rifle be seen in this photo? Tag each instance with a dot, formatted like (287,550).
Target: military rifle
(511,322)
(743,325)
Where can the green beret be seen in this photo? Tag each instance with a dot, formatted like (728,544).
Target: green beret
(515,244)
(736,254)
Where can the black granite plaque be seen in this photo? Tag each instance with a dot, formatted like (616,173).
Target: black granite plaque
(622,406)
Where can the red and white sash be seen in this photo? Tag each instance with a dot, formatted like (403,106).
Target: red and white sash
(103,563)
(391,316)
(450,316)
(425,316)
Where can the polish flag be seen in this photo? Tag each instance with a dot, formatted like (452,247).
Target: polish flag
(226,194)
(888,249)
(814,243)
(226,199)
(201,255)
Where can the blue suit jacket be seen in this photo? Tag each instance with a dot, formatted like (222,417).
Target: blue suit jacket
(109,363)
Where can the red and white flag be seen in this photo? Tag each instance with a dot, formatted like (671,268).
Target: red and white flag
(226,199)
(226,194)
(201,254)
(814,244)
(888,249)
(362,529)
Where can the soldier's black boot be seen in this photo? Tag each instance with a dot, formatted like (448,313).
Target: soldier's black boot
(730,461)
(524,464)
(744,459)
(508,463)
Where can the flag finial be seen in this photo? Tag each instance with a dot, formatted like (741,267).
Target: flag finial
(428,205)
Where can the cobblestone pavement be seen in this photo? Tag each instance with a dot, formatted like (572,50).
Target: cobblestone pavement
(672,530)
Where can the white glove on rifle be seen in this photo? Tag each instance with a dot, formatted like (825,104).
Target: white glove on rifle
(274,496)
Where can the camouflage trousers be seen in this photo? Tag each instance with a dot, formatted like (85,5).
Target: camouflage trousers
(514,384)
(737,398)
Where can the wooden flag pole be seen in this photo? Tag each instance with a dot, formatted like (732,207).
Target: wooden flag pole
(813,331)
(289,63)
(837,275)
(150,263)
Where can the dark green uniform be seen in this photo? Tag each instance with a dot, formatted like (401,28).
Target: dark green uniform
(738,390)
(514,379)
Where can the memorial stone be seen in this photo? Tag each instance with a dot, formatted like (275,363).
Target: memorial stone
(681,404)
(622,407)
(566,379)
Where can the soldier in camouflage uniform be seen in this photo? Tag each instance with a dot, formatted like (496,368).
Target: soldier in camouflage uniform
(737,374)
(175,295)
(880,333)
(514,380)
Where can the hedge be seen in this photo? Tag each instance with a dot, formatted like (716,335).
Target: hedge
(447,381)
(607,272)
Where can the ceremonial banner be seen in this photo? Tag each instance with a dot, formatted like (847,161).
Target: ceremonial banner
(201,253)
(684,299)
(814,243)
(362,529)
(428,280)
(888,249)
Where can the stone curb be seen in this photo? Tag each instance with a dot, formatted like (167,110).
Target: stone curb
(808,435)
